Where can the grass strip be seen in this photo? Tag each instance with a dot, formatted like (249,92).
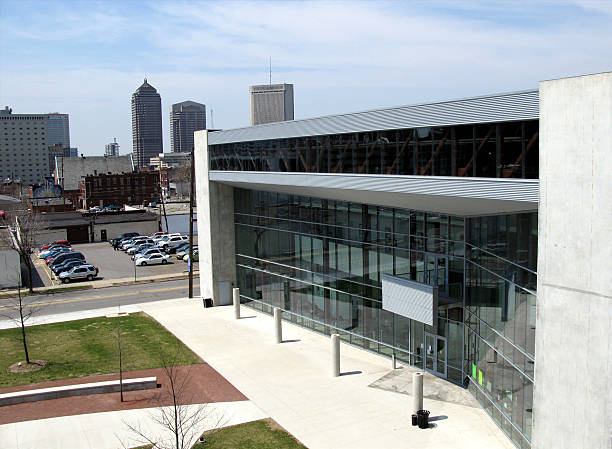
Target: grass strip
(265,433)
(89,347)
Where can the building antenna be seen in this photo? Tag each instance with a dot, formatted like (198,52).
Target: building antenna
(270,70)
(212,119)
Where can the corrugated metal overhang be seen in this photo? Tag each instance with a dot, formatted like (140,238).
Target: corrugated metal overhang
(449,195)
(502,107)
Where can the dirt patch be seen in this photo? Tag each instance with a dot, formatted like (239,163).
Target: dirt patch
(23,367)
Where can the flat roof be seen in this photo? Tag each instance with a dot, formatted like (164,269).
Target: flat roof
(503,107)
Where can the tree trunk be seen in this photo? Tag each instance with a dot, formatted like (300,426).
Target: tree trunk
(29,264)
(23,331)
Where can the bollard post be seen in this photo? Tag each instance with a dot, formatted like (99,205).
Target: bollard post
(278,325)
(393,364)
(236,297)
(335,342)
(417,392)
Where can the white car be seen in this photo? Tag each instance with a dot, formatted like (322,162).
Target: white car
(172,241)
(164,237)
(146,252)
(153,259)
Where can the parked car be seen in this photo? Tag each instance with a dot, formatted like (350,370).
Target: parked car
(146,252)
(132,241)
(172,241)
(86,271)
(95,209)
(165,237)
(65,256)
(196,256)
(66,265)
(174,249)
(113,209)
(181,254)
(53,250)
(138,243)
(158,234)
(140,247)
(153,259)
(57,242)
(115,241)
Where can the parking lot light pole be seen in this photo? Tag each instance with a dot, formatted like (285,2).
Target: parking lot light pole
(134,269)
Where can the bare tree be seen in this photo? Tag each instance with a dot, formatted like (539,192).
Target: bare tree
(179,420)
(20,311)
(24,227)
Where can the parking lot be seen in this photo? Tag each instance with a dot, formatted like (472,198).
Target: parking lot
(114,264)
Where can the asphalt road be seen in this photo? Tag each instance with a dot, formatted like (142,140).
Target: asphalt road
(76,301)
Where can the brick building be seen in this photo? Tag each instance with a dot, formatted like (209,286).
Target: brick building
(118,189)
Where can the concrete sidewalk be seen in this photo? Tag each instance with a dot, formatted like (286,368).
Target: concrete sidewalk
(291,383)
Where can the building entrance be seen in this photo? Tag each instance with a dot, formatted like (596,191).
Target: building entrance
(435,355)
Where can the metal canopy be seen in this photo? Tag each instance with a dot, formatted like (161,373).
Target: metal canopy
(448,195)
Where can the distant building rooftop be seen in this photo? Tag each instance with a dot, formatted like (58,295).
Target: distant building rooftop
(70,170)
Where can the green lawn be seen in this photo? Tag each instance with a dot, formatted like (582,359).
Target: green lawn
(252,435)
(87,347)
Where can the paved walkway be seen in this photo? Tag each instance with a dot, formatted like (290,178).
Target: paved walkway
(291,382)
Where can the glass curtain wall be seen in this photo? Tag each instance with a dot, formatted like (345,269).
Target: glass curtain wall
(501,261)
(322,261)
(493,150)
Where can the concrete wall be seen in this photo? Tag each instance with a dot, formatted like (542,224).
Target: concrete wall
(215,202)
(114,229)
(573,375)
(50,235)
(9,268)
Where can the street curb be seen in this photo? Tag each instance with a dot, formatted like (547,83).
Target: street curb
(62,288)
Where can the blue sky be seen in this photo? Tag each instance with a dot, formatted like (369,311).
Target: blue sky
(86,58)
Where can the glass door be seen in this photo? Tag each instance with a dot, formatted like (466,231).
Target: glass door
(435,355)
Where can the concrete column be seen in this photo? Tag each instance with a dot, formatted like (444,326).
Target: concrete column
(278,325)
(236,297)
(417,392)
(335,350)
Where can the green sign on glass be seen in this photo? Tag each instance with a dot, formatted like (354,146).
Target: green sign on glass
(480,377)
(474,370)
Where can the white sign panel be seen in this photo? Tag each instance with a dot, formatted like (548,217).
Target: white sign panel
(411,299)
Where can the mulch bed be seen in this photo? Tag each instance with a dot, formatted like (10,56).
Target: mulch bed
(204,385)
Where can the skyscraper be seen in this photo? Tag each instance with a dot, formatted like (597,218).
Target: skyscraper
(271,103)
(185,118)
(146,124)
(58,129)
(111,149)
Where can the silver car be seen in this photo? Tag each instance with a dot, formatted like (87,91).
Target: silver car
(86,271)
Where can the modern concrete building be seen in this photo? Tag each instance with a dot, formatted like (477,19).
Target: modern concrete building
(465,237)
(271,103)
(24,149)
(146,124)
(111,149)
(185,119)
(58,129)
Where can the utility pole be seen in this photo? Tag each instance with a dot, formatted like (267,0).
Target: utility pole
(191,185)
(161,196)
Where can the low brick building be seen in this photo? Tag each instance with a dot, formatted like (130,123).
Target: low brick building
(118,189)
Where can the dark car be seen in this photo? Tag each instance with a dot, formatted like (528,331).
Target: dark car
(177,248)
(127,235)
(65,256)
(66,265)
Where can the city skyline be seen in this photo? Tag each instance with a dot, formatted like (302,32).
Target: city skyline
(342,57)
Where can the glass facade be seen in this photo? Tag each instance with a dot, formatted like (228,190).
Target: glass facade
(493,150)
(321,261)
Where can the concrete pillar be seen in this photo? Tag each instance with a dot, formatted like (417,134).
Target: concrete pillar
(417,392)
(278,325)
(335,350)
(236,297)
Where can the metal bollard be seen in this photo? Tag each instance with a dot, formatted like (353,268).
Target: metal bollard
(236,298)
(393,363)
(417,392)
(335,342)
(278,325)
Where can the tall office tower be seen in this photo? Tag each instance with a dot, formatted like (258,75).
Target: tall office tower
(146,124)
(185,118)
(111,149)
(24,150)
(58,129)
(271,103)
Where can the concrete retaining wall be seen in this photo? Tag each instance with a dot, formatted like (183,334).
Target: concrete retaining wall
(43,394)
